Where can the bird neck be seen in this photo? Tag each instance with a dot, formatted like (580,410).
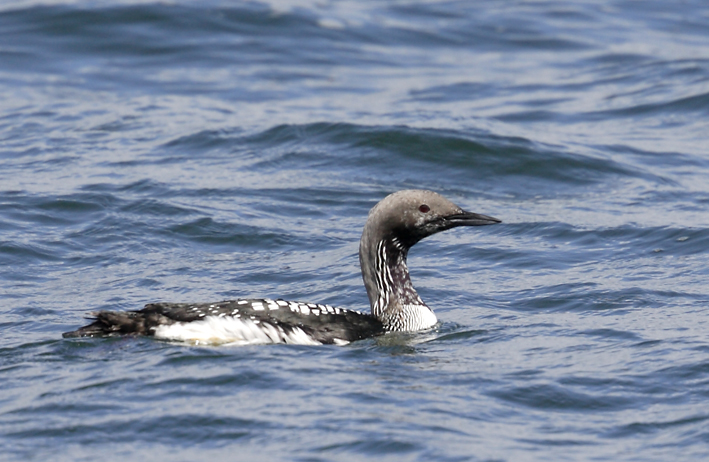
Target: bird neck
(392,296)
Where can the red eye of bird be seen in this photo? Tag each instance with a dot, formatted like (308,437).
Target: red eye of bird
(423,208)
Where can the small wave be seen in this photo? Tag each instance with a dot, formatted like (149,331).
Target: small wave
(556,397)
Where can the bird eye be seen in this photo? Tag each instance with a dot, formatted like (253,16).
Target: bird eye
(423,208)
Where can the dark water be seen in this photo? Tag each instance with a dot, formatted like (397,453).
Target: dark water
(198,151)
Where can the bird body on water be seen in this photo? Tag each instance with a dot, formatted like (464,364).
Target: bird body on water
(393,226)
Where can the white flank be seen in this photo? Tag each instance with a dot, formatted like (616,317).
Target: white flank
(213,330)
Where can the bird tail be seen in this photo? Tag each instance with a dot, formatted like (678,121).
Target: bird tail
(112,323)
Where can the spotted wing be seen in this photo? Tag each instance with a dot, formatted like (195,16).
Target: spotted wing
(323,323)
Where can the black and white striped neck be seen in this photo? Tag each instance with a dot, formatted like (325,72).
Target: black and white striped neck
(394,300)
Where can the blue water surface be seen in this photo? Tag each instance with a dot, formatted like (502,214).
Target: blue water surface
(201,151)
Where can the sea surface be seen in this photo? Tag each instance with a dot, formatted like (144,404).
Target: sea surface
(199,151)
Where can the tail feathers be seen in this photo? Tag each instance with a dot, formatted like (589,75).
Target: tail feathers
(115,323)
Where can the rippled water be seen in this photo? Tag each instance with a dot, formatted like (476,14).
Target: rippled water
(184,151)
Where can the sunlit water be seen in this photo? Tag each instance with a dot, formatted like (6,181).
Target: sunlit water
(200,151)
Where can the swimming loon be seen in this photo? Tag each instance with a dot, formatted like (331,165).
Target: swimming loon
(393,226)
